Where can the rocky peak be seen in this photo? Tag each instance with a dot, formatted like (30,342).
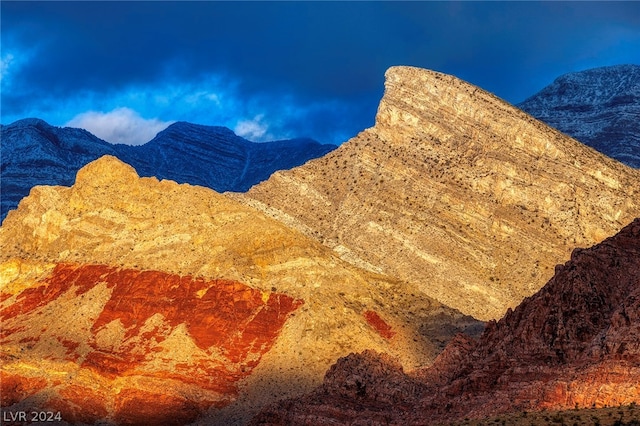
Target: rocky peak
(184,132)
(456,190)
(612,85)
(31,122)
(593,295)
(106,172)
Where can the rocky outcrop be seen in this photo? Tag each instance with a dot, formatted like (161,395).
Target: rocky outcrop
(35,153)
(133,333)
(599,107)
(457,191)
(154,298)
(575,343)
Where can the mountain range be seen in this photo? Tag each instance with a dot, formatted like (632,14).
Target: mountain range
(428,268)
(600,107)
(35,153)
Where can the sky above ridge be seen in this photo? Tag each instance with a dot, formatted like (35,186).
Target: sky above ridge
(276,70)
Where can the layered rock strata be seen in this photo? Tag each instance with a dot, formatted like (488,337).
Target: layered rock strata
(36,153)
(123,296)
(599,107)
(575,343)
(148,334)
(457,191)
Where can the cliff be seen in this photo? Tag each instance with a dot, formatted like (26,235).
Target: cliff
(457,191)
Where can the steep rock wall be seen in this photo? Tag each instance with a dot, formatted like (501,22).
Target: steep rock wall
(457,191)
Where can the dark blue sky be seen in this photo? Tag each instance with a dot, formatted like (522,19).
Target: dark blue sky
(268,70)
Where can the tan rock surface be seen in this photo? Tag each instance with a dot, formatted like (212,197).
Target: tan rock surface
(456,190)
(106,289)
(574,344)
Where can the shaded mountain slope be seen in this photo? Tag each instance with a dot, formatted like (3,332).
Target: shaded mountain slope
(599,107)
(216,157)
(575,343)
(457,191)
(35,153)
(135,300)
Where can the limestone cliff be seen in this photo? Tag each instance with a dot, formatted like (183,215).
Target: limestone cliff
(575,343)
(457,191)
(133,300)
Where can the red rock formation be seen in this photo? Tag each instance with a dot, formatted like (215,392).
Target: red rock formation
(227,325)
(366,389)
(15,388)
(379,324)
(574,343)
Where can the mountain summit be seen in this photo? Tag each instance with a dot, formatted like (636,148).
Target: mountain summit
(35,153)
(456,190)
(599,107)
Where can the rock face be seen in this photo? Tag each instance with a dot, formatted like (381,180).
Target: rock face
(133,300)
(575,343)
(35,153)
(457,191)
(599,107)
(147,333)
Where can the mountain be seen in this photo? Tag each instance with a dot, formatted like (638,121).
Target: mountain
(138,301)
(35,153)
(457,191)
(599,107)
(574,344)
(216,157)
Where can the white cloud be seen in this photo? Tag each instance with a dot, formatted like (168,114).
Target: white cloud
(122,125)
(255,130)
(5,63)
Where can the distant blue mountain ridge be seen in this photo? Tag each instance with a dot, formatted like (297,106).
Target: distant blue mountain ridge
(36,153)
(600,107)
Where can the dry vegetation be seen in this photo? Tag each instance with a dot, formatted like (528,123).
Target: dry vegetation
(627,415)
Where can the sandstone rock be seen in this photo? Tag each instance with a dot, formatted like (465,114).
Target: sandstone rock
(120,289)
(572,344)
(457,191)
(146,337)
